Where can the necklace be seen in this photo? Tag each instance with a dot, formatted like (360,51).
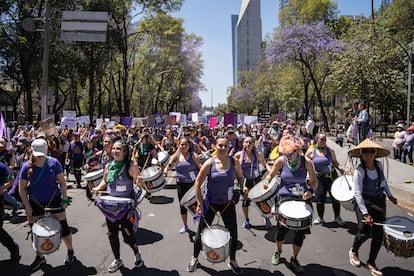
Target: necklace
(292,165)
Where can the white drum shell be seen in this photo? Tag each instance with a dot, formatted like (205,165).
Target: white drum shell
(46,235)
(189,199)
(215,243)
(163,159)
(342,189)
(395,240)
(153,178)
(94,177)
(264,198)
(296,215)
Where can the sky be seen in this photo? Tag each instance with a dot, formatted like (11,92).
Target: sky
(211,20)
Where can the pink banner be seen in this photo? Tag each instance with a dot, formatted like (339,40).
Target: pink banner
(213,122)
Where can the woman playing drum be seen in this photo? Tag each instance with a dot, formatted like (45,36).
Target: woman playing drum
(47,188)
(220,171)
(119,177)
(294,168)
(249,160)
(187,164)
(324,160)
(370,185)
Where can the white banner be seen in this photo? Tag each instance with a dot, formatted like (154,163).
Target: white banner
(69,113)
(194,117)
(69,122)
(83,120)
(250,119)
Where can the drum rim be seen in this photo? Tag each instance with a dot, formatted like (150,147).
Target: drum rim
(308,208)
(216,227)
(269,191)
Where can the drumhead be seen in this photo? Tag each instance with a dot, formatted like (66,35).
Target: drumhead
(343,188)
(46,227)
(115,198)
(216,236)
(295,209)
(151,173)
(258,193)
(94,175)
(405,234)
(162,156)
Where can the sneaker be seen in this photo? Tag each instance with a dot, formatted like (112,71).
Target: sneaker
(353,258)
(138,260)
(70,257)
(246,223)
(296,265)
(318,221)
(339,221)
(268,223)
(192,266)
(15,254)
(184,229)
(373,269)
(38,261)
(115,265)
(235,267)
(276,257)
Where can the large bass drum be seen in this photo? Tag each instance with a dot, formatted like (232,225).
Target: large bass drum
(400,241)
(342,189)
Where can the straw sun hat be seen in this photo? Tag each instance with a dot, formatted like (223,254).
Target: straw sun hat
(368,144)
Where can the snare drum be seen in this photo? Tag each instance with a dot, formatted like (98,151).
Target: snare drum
(163,159)
(114,208)
(215,243)
(46,235)
(296,215)
(264,198)
(189,199)
(94,178)
(342,189)
(153,178)
(400,241)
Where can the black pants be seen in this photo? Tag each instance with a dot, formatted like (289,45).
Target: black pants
(127,230)
(5,238)
(77,164)
(324,186)
(365,231)
(229,219)
(182,188)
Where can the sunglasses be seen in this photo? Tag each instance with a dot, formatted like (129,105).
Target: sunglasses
(366,151)
(222,145)
(322,139)
(290,155)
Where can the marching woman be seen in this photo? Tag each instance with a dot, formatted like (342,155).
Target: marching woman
(220,170)
(119,177)
(371,188)
(324,160)
(294,185)
(169,142)
(187,164)
(42,185)
(249,160)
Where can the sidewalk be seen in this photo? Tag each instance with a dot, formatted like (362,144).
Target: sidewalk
(397,173)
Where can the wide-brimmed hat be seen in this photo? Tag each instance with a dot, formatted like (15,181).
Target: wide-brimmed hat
(369,144)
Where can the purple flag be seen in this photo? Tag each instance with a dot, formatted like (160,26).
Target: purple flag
(3,128)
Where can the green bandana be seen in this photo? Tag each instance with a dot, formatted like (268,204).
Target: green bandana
(292,165)
(113,170)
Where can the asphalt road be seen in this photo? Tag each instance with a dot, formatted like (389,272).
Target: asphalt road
(166,252)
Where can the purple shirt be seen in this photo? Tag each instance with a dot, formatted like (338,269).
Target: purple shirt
(293,184)
(322,163)
(47,187)
(186,170)
(122,186)
(220,183)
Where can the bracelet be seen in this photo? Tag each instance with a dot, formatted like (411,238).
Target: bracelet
(267,180)
(310,190)
(65,201)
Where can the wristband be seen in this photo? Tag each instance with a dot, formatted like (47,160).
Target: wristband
(267,180)
(65,201)
(310,190)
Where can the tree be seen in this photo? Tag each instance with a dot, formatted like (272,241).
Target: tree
(310,49)
(300,12)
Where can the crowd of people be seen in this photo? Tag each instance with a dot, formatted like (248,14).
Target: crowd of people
(208,160)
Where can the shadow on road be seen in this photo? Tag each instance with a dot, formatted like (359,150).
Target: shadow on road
(161,200)
(145,236)
(147,271)
(317,269)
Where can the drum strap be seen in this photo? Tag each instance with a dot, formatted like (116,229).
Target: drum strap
(374,206)
(225,208)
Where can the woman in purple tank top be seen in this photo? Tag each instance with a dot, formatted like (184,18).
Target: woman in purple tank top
(220,171)
(293,168)
(187,164)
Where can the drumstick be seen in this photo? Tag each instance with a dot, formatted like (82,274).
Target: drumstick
(349,186)
(389,225)
(208,226)
(145,164)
